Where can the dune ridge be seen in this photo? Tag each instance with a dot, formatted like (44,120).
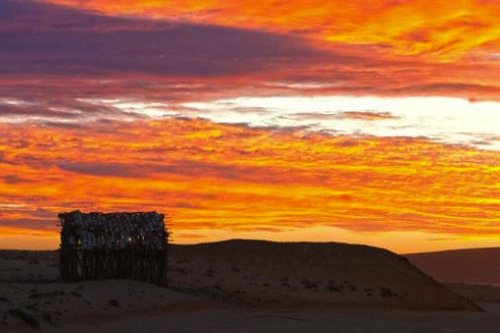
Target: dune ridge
(262,273)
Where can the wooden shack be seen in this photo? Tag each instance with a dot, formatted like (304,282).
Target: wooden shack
(113,245)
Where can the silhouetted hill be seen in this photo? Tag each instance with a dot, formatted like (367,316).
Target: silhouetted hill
(273,274)
(471,266)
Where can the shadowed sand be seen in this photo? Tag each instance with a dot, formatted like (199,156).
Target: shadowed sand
(243,286)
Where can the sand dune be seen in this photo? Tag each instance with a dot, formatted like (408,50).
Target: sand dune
(271,274)
(32,295)
(53,304)
(266,285)
(470,266)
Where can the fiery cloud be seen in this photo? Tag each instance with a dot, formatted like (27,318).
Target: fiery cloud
(101,104)
(237,179)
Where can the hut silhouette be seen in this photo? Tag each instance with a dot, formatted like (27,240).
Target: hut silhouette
(113,245)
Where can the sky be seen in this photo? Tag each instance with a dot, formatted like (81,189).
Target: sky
(374,122)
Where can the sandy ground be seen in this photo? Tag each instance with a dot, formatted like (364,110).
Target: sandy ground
(317,321)
(477,293)
(209,293)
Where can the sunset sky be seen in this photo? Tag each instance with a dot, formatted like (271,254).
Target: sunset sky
(373,122)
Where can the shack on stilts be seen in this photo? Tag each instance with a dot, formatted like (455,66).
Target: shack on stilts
(113,245)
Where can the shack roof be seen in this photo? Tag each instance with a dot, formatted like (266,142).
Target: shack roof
(113,230)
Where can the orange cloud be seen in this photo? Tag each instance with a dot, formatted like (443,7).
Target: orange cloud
(439,30)
(233,179)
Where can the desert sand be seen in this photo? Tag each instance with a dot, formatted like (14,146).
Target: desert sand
(242,286)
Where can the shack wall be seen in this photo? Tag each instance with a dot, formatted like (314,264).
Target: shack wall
(113,245)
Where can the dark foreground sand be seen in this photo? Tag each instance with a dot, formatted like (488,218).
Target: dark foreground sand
(309,321)
(273,288)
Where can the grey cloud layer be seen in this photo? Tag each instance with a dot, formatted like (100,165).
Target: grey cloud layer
(93,44)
